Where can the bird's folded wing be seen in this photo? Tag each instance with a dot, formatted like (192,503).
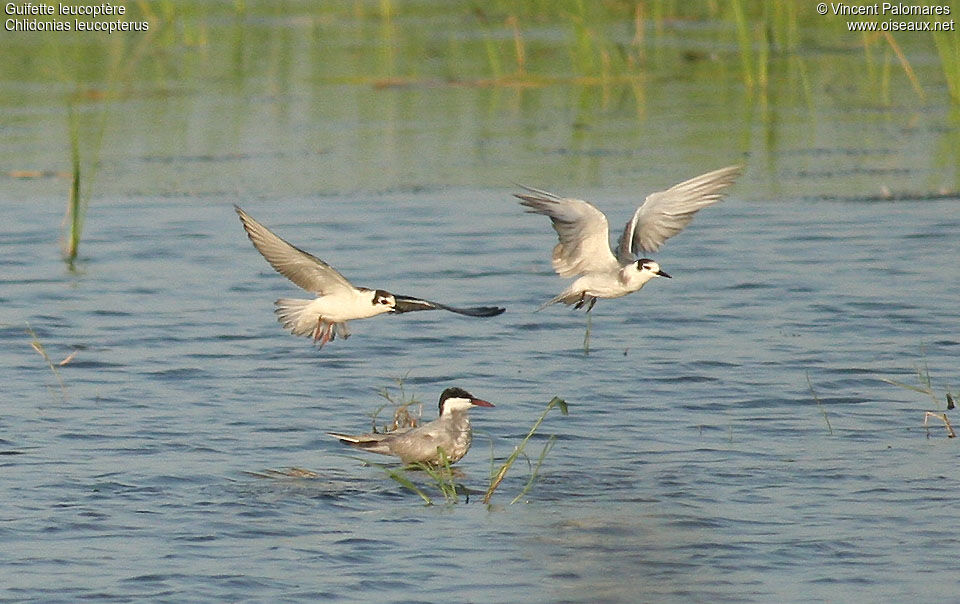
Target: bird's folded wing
(306,270)
(665,213)
(410,304)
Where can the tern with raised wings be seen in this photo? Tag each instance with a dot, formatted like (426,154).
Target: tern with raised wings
(583,250)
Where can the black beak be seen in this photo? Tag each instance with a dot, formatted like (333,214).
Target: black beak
(663,274)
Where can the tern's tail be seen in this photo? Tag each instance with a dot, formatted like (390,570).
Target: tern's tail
(290,313)
(548,303)
(566,297)
(346,438)
(367,442)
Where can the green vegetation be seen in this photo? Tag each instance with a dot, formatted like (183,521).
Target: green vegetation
(38,346)
(603,55)
(498,476)
(76,203)
(402,418)
(926,387)
(823,410)
(491,43)
(948,48)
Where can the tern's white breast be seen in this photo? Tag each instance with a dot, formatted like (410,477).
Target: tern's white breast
(345,305)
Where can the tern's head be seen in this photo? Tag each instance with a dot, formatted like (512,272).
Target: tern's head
(458,399)
(383,298)
(650,267)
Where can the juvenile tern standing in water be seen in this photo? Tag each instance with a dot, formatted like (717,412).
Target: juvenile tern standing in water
(450,433)
(584,248)
(337,301)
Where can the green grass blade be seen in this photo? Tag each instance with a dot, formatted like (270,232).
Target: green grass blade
(745,42)
(535,473)
(74,217)
(38,346)
(823,409)
(406,483)
(502,472)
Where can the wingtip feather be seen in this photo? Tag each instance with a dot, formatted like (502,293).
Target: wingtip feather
(345,438)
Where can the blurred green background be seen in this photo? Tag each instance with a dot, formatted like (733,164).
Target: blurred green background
(286,98)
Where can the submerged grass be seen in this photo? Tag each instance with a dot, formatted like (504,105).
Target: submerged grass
(926,387)
(400,477)
(820,406)
(38,346)
(441,477)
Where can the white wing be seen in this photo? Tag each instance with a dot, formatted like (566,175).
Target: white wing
(664,214)
(582,229)
(306,270)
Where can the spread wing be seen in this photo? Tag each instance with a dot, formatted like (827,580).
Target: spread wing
(306,270)
(665,213)
(583,231)
(409,304)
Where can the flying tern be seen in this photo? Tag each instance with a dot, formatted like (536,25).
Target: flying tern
(449,433)
(584,248)
(337,301)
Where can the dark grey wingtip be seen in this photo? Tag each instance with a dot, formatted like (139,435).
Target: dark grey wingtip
(475,311)
(481,311)
(410,304)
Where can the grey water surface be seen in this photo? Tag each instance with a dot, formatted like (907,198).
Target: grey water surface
(729,436)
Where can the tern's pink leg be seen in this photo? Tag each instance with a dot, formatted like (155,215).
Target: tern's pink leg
(322,333)
(326,335)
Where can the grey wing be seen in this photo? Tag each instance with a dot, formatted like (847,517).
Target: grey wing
(583,231)
(665,213)
(306,270)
